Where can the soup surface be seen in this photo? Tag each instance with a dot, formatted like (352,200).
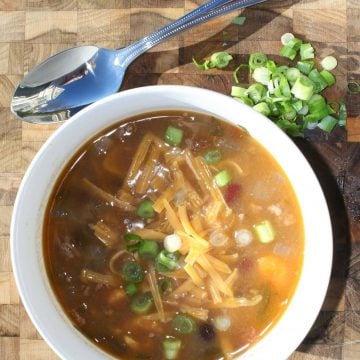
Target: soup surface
(173,235)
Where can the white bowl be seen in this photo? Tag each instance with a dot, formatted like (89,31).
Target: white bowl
(27,221)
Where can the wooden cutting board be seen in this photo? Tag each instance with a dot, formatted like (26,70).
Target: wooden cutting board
(32,30)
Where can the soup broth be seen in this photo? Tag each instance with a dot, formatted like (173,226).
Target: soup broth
(173,235)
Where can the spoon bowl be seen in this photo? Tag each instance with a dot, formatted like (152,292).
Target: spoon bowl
(66,82)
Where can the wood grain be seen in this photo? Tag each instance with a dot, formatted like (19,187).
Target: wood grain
(111,24)
(53,5)
(51,26)
(10,348)
(5,265)
(12,25)
(33,30)
(8,291)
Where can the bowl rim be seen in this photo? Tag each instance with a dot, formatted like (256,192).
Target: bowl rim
(188,92)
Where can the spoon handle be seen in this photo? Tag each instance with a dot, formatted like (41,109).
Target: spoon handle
(199,11)
(196,17)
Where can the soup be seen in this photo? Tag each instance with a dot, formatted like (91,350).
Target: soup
(173,235)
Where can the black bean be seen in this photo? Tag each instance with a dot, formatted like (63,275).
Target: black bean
(206,332)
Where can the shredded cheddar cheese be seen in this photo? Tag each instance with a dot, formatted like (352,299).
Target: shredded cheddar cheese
(190,208)
(193,274)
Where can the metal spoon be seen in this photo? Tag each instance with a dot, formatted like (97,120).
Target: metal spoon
(68,81)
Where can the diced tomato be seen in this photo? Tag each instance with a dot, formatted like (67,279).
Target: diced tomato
(245,264)
(232,192)
(248,334)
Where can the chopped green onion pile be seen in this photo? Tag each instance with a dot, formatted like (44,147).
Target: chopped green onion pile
(289,94)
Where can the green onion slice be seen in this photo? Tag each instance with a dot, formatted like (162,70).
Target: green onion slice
(327,123)
(239,20)
(133,242)
(173,135)
(148,249)
(316,102)
(288,52)
(262,75)
(319,82)
(284,86)
(285,38)
(274,108)
(245,100)
(256,92)
(304,110)
(213,156)
(131,289)
(241,66)
(271,66)
(131,271)
(221,59)
(353,87)
(303,88)
(305,66)
(288,113)
(342,115)
(328,77)
(222,178)
(257,60)
(298,105)
(204,66)
(282,69)
(145,209)
(292,74)
(238,91)
(171,348)
(316,116)
(141,303)
(306,52)
(184,324)
(290,127)
(329,63)
(262,108)
(165,286)
(295,44)
(265,232)
(166,261)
